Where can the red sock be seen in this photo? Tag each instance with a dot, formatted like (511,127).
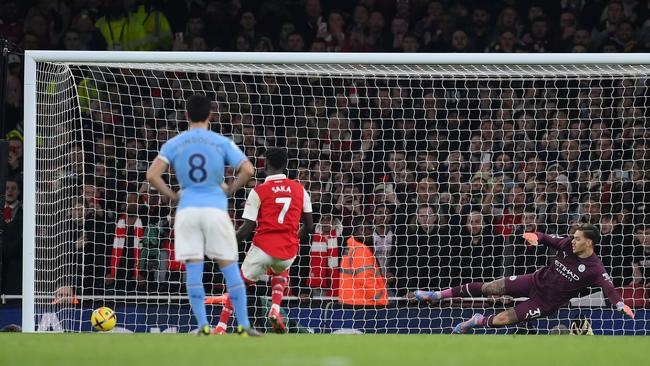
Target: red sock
(226,312)
(278,283)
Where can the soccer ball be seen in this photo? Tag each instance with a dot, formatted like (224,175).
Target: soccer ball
(103,319)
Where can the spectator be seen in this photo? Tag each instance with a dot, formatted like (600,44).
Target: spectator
(324,257)
(11,24)
(12,240)
(335,37)
(15,157)
(460,42)
(641,260)
(537,39)
(376,37)
(383,241)
(399,28)
(127,244)
(616,250)
(295,42)
(420,255)
(476,252)
(568,25)
(481,30)
(247,24)
(507,42)
(312,24)
(286,29)
(606,29)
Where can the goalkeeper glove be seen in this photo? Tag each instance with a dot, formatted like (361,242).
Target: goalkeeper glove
(624,309)
(531,239)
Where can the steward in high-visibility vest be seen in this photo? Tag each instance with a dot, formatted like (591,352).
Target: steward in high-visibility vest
(121,31)
(361,281)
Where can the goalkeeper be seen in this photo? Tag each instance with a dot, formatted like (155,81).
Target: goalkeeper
(575,267)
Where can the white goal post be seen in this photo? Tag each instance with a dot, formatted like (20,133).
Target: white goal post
(445,130)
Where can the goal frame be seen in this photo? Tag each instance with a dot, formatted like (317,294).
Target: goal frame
(32,57)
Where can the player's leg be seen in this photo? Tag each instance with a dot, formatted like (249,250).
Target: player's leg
(189,249)
(466,290)
(221,244)
(278,285)
(513,286)
(528,310)
(252,269)
(506,317)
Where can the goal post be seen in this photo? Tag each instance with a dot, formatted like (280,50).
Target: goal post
(409,137)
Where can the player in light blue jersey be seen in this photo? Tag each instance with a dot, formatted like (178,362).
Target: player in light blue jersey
(203,226)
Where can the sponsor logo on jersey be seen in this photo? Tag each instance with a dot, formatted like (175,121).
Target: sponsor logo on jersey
(565,272)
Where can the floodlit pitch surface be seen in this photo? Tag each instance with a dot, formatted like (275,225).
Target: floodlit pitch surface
(328,350)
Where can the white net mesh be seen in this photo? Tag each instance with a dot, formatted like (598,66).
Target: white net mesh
(448,164)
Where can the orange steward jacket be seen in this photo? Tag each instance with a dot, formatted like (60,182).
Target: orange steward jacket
(361,281)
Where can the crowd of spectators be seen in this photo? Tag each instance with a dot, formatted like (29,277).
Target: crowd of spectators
(447,173)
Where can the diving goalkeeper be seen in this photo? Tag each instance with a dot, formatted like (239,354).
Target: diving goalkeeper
(575,267)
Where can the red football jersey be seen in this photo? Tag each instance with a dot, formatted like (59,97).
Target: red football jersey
(277,206)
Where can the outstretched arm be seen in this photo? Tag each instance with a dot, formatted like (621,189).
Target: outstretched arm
(553,241)
(605,283)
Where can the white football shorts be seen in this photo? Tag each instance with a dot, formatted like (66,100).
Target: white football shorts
(204,231)
(257,263)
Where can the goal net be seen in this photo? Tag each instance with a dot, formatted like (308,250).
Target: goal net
(445,164)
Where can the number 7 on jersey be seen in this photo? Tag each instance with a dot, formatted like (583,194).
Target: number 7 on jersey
(286,202)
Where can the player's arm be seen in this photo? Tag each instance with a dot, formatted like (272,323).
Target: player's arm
(605,283)
(534,239)
(251,210)
(154,176)
(245,230)
(307,226)
(307,218)
(244,174)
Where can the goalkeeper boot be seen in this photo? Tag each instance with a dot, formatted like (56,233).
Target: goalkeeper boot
(248,332)
(465,326)
(427,296)
(204,331)
(277,323)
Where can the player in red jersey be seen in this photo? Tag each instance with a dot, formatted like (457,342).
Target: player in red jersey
(274,210)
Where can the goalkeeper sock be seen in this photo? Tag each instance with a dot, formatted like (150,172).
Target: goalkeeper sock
(196,292)
(237,293)
(486,321)
(469,289)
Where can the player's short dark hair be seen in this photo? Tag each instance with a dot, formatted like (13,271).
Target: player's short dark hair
(197,107)
(276,158)
(590,232)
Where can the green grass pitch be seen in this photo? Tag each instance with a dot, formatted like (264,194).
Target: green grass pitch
(328,350)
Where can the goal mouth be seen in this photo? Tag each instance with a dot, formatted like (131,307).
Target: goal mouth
(447,158)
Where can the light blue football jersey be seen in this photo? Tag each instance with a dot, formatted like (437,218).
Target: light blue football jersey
(199,157)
